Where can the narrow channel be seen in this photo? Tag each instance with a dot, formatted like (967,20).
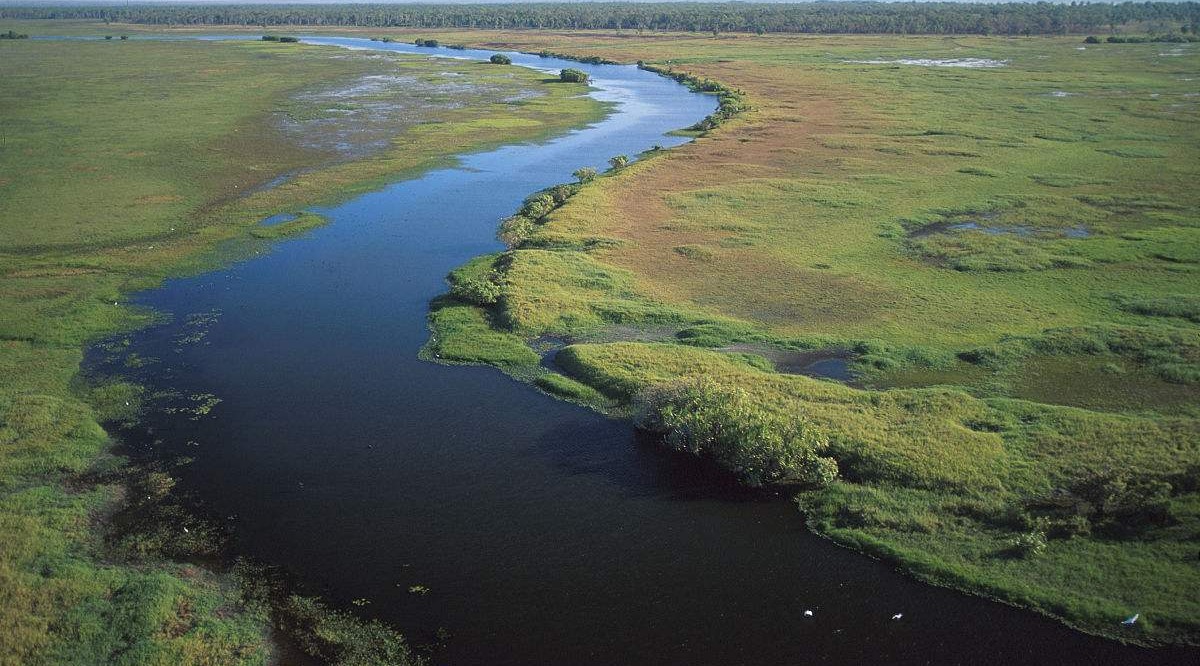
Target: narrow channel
(544,533)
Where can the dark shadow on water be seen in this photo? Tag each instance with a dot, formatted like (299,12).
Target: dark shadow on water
(641,466)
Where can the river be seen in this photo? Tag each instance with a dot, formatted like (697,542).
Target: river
(545,533)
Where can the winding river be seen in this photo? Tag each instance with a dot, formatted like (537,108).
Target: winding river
(544,533)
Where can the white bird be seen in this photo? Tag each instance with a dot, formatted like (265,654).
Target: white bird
(807,613)
(1131,620)
(897,616)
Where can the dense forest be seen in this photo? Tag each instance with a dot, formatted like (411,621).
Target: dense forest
(818,17)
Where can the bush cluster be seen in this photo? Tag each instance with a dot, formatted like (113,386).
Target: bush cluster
(937,18)
(704,418)
(516,228)
(1115,504)
(572,75)
(479,291)
(590,60)
(1029,544)
(1145,39)
(730,102)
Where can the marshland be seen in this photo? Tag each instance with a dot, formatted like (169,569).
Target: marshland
(855,325)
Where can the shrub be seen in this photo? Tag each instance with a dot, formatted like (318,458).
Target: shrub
(476,290)
(585,174)
(618,162)
(500,59)
(426,42)
(572,75)
(1029,544)
(560,193)
(701,417)
(514,230)
(1092,39)
(538,206)
(1069,527)
(1120,504)
(730,102)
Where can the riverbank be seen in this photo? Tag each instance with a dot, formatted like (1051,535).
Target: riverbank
(111,183)
(1029,432)
(937,479)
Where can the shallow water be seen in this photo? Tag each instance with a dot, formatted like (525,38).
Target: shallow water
(968,63)
(545,533)
(278,218)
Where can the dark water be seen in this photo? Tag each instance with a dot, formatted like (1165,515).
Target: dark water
(545,533)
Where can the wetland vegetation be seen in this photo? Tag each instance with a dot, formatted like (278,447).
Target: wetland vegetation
(1012,281)
(999,235)
(110,183)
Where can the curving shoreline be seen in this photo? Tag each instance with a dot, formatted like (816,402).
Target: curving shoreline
(353,211)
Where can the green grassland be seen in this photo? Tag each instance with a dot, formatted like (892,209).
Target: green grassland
(121,163)
(1008,256)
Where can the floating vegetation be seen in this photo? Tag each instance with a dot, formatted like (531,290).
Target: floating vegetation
(196,327)
(202,404)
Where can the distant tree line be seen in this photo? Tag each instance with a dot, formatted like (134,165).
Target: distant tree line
(817,17)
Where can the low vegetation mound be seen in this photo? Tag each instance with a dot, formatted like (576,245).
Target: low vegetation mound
(704,418)
(572,75)
(1038,441)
